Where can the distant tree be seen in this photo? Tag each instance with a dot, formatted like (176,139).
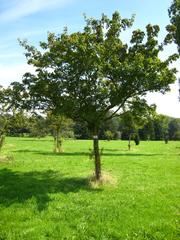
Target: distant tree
(129,126)
(109,135)
(174,128)
(177,135)
(161,127)
(84,75)
(59,125)
(135,117)
(18,123)
(136,138)
(10,113)
(37,126)
(81,130)
(147,132)
(109,127)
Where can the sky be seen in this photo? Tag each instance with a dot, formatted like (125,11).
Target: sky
(33,19)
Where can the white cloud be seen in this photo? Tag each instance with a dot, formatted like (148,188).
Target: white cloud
(11,73)
(167,104)
(9,55)
(28,7)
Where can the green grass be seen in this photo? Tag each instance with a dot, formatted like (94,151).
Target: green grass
(47,196)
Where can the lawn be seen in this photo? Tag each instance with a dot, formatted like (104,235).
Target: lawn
(48,196)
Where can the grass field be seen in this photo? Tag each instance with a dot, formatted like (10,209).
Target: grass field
(47,196)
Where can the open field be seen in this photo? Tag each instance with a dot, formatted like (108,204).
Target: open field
(47,196)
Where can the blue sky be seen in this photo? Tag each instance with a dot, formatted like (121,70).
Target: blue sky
(32,19)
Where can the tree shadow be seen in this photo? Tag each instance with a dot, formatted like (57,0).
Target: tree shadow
(106,152)
(51,153)
(112,149)
(35,140)
(18,187)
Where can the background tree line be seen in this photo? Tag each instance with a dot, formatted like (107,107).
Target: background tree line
(158,127)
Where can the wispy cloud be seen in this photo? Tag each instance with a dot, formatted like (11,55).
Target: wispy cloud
(9,55)
(11,73)
(167,104)
(28,7)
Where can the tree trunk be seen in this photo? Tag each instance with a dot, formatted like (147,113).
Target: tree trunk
(2,138)
(57,142)
(97,156)
(129,143)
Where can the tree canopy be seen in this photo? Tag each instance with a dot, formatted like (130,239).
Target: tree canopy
(94,71)
(86,74)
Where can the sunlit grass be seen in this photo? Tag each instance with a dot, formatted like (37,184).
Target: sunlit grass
(44,195)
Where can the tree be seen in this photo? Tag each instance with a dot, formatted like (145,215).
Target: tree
(18,123)
(135,117)
(86,74)
(13,121)
(129,126)
(109,135)
(174,28)
(37,126)
(136,138)
(109,129)
(59,126)
(4,123)
(147,132)
(81,130)
(174,129)
(161,127)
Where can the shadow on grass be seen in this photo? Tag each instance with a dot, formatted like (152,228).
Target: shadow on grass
(35,140)
(18,187)
(108,153)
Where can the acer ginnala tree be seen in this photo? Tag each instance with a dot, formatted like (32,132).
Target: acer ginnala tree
(85,75)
